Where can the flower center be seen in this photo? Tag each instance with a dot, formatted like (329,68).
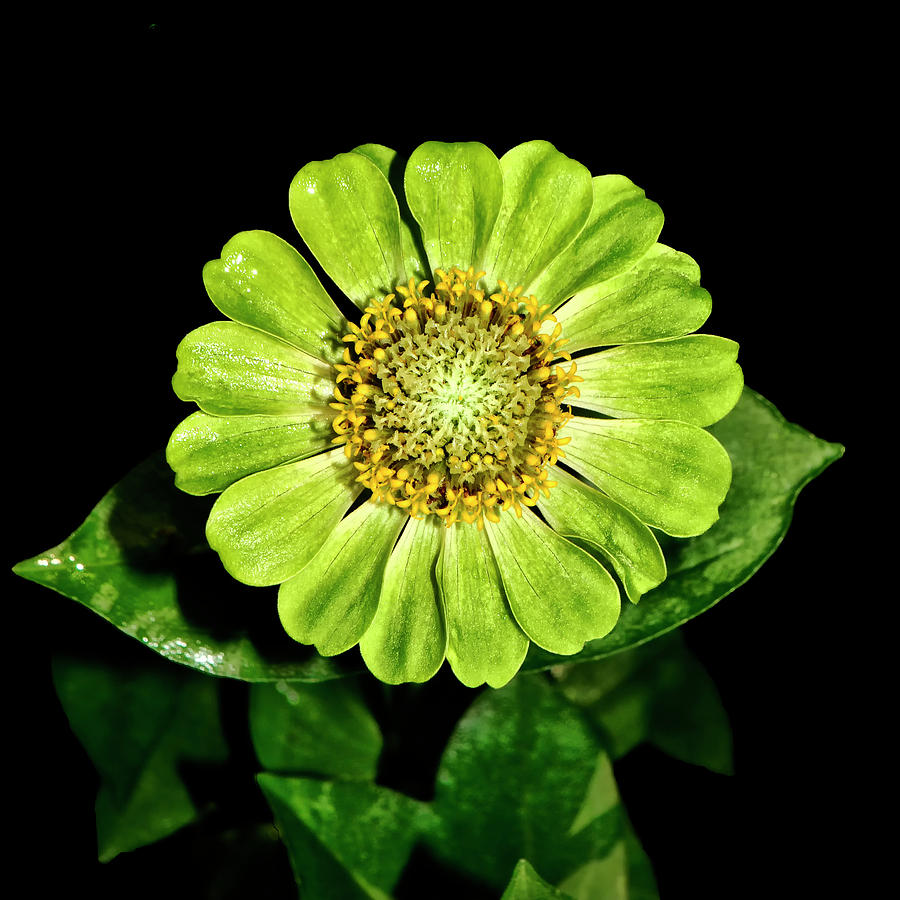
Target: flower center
(449,403)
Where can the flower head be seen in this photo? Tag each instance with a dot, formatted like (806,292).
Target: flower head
(455,473)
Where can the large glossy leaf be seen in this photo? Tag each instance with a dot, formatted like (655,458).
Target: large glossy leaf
(658,693)
(140,560)
(345,840)
(137,726)
(772,460)
(325,729)
(555,805)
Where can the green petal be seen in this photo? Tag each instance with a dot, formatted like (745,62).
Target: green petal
(406,640)
(391,165)
(693,379)
(208,453)
(267,526)
(263,282)
(546,201)
(332,601)
(622,227)
(454,191)
(484,642)
(659,298)
(560,596)
(346,212)
(671,475)
(602,526)
(231,370)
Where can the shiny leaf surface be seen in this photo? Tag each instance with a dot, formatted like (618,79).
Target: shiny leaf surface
(555,805)
(140,560)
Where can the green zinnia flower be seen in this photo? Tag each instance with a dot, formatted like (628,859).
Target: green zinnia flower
(449,403)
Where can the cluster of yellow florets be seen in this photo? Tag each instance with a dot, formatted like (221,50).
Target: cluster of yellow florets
(451,403)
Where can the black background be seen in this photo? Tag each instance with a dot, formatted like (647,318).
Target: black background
(157,143)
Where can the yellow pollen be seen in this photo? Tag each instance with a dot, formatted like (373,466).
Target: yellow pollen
(450,403)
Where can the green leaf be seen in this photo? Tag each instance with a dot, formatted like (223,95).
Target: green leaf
(772,460)
(524,776)
(263,282)
(526,884)
(229,369)
(141,561)
(546,201)
(641,880)
(693,379)
(624,874)
(324,729)
(622,227)
(454,191)
(658,693)
(137,726)
(348,216)
(345,840)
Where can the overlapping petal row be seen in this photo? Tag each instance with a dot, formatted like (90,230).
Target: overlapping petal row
(409,591)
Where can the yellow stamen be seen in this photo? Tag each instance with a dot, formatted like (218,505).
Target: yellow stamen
(449,403)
